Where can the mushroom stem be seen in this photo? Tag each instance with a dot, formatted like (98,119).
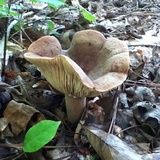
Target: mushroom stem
(74,108)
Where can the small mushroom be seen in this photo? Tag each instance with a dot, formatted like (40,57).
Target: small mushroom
(91,66)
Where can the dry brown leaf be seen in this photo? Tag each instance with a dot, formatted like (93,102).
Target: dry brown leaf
(16,95)
(110,147)
(19,114)
(96,112)
(140,94)
(147,114)
(3,124)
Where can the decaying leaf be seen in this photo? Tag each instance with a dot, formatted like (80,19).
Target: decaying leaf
(3,124)
(96,112)
(153,156)
(157,77)
(110,147)
(19,114)
(16,95)
(141,94)
(59,154)
(123,100)
(147,114)
(5,97)
(133,74)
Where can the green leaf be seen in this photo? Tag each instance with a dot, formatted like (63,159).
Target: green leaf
(50,24)
(13,13)
(33,0)
(39,135)
(17,7)
(19,25)
(52,3)
(87,15)
(55,33)
(3,12)
(56,3)
(3,3)
(13,47)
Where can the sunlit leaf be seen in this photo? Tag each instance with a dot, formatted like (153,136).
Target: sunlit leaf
(87,15)
(3,3)
(19,25)
(57,4)
(15,6)
(39,135)
(13,13)
(52,3)
(55,33)
(33,0)
(3,12)
(50,24)
(14,47)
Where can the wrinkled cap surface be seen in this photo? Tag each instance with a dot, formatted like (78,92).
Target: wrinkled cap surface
(85,47)
(46,46)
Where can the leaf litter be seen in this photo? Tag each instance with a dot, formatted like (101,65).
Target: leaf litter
(134,108)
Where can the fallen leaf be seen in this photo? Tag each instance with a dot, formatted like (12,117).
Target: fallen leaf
(110,147)
(3,124)
(19,114)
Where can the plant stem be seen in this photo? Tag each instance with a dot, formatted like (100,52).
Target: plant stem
(5,44)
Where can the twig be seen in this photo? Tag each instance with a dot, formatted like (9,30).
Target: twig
(20,146)
(115,111)
(148,84)
(128,128)
(3,41)
(5,44)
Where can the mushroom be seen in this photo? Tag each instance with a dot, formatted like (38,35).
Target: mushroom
(44,47)
(91,66)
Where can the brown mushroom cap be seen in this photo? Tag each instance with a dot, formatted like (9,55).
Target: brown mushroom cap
(105,61)
(112,65)
(99,64)
(85,47)
(68,78)
(46,46)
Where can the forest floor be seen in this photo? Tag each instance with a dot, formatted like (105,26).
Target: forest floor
(123,123)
